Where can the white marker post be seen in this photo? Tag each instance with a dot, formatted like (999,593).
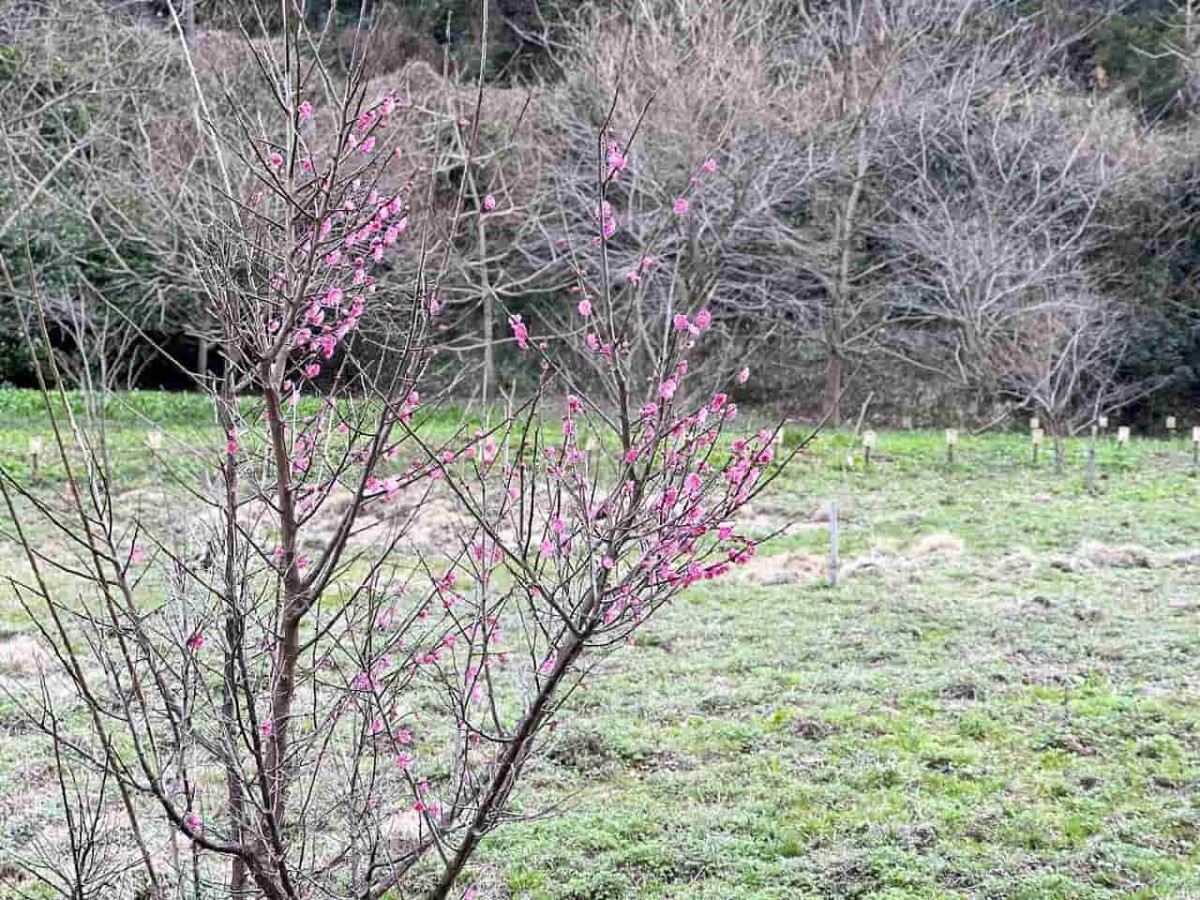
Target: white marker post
(1102,421)
(154,439)
(951,443)
(1036,439)
(1122,435)
(1196,448)
(1091,466)
(832,572)
(1171,428)
(868,439)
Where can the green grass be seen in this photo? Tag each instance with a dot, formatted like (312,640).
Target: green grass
(1016,718)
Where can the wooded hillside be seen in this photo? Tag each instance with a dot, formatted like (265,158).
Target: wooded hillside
(955,209)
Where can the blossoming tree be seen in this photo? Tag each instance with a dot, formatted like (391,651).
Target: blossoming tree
(306,698)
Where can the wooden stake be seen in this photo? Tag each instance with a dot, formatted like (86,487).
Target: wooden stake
(868,446)
(35,450)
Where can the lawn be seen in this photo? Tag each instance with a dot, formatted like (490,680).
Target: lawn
(1000,698)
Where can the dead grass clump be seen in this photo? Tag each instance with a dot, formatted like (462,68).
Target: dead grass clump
(787,568)
(21,655)
(940,544)
(1104,557)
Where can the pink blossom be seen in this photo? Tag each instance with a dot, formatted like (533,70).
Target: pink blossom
(489,202)
(682,206)
(193,823)
(604,216)
(667,389)
(137,556)
(267,728)
(305,111)
(744,375)
(368,145)
(681,322)
(520,332)
(275,159)
(312,370)
(703,319)
(195,642)
(547,665)
(616,160)
(709,165)
(404,761)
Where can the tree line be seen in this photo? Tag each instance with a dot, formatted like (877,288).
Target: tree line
(947,209)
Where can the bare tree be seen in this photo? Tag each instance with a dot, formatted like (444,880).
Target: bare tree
(994,216)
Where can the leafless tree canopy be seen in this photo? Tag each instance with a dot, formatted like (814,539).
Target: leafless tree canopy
(903,189)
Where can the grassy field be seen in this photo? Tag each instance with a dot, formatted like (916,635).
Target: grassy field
(1000,699)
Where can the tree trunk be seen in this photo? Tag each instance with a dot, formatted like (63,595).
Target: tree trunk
(832,406)
(489,336)
(202,358)
(187,19)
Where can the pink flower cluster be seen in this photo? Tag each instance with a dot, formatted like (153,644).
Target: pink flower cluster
(617,162)
(608,221)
